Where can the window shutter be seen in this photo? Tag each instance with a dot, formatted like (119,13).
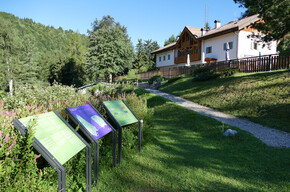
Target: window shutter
(225,46)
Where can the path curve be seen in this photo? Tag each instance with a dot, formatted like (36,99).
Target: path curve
(269,136)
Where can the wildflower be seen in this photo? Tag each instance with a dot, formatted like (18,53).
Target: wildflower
(35,105)
(45,111)
(66,103)
(69,99)
(97,102)
(12,144)
(6,138)
(56,100)
(36,157)
(0,133)
(45,103)
(7,113)
(28,107)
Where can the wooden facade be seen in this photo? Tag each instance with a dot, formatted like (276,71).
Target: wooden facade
(187,44)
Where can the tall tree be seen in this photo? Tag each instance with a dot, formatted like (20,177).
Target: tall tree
(144,60)
(276,16)
(171,39)
(110,51)
(9,49)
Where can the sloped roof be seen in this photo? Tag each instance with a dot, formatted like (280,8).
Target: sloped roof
(231,26)
(165,48)
(194,30)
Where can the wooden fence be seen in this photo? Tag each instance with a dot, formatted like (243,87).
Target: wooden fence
(249,64)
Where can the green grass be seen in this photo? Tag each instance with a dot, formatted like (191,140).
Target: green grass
(189,153)
(260,97)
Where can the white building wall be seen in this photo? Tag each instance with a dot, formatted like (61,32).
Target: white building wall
(166,62)
(217,44)
(246,48)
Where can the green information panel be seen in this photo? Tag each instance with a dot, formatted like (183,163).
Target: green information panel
(120,112)
(55,136)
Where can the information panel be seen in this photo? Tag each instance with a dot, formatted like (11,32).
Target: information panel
(91,120)
(55,135)
(120,112)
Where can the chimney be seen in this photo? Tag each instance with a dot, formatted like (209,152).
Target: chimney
(201,31)
(217,24)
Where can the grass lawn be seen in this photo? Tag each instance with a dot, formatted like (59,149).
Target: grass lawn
(262,97)
(189,153)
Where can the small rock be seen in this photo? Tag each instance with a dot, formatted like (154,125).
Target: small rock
(230,132)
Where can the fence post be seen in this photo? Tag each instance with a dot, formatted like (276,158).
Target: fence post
(270,63)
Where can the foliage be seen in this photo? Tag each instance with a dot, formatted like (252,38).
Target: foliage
(275,13)
(110,50)
(21,169)
(36,54)
(227,72)
(171,39)
(144,60)
(260,97)
(155,78)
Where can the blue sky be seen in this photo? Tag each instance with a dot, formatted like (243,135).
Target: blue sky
(145,19)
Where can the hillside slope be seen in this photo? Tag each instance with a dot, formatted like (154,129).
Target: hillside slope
(36,53)
(260,97)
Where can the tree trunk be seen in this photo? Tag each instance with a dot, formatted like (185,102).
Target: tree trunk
(10,80)
(110,78)
(11,86)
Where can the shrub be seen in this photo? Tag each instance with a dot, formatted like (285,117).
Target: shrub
(155,78)
(201,69)
(227,72)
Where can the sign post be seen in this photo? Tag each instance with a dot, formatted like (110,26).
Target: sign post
(94,126)
(57,142)
(122,115)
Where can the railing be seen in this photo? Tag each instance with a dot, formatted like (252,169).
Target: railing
(249,64)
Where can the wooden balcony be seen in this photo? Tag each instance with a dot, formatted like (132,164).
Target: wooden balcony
(183,59)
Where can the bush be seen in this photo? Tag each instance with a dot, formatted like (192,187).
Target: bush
(227,72)
(155,78)
(201,69)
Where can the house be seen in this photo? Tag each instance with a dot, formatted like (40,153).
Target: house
(196,45)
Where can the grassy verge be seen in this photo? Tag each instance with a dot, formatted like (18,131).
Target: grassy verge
(189,153)
(260,97)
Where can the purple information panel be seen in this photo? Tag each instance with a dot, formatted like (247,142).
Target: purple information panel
(91,120)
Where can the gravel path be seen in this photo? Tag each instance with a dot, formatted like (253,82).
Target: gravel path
(269,136)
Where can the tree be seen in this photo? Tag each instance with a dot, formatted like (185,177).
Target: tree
(144,60)
(275,14)
(171,39)
(206,26)
(9,49)
(110,51)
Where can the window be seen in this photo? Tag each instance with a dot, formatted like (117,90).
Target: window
(159,59)
(187,38)
(230,45)
(190,52)
(179,54)
(195,51)
(182,53)
(208,50)
(168,57)
(164,58)
(254,45)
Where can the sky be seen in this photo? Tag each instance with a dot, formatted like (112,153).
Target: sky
(144,19)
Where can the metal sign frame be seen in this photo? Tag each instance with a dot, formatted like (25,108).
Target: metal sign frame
(94,141)
(140,122)
(51,159)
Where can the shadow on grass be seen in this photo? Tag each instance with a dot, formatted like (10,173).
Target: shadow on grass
(189,153)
